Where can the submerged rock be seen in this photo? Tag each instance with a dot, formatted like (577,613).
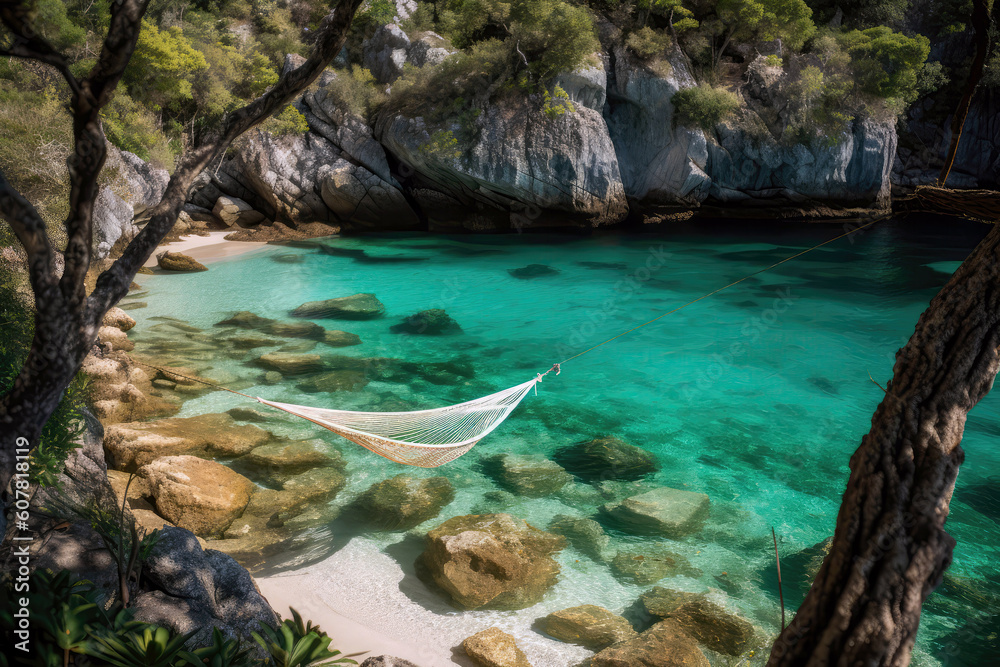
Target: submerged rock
(663,645)
(494,648)
(714,627)
(291,364)
(431,322)
(355,307)
(338,380)
(335,338)
(526,475)
(647,566)
(585,535)
(175,261)
(277,461)
(491,561)
(606,458)
(588,625)
(668,512)
(402,502)
(533,271)
(661,602)
(247,320)
(196,494)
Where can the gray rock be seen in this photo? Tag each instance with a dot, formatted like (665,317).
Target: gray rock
(112,220)
(385,53)
(586,86)
(354,307)
(386,661)
(196,589)
(429,48)
(664,511)
(518,164)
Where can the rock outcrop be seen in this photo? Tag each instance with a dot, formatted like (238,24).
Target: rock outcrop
(176,261)
(490,561)
(402,502)
(588,625)
(494,648)
(664,511)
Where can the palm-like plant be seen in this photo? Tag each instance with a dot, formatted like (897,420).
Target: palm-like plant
(222,653)
(152,647)
(298,644)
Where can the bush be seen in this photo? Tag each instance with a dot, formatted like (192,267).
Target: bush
(703,106)
(357,89)
(557,103)
(886,63)
(131,127)
(287,123)
(648,43)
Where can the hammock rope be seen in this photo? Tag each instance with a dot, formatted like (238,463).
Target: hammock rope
(430,438)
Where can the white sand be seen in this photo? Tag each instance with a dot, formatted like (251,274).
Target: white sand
(361,597)
(206,249)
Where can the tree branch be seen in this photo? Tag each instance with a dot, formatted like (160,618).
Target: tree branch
(113,284)
(29,45)
(89,146)
(29,228)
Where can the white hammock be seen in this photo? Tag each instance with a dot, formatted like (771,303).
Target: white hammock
(424,438)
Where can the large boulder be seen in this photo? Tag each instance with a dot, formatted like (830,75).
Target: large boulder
(606,458)
(196,494)
(402,502)
(177,261)
(354,307)
(132,445)
(663,645)
(494,648)
(664,511)
(493,561)
(234,211)
(386,661)
(112,220)
(588,625)
(118,318)
(385,53)
(521,167)
(197,589)
(527,475)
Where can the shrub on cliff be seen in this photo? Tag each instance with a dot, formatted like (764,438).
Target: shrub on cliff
(648,43)
(703,106)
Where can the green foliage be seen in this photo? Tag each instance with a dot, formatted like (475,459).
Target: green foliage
(648,43)
(442,146)
(295,644)
(54,24)
(151,646)
(557,103)
(289,122)
(816,105)
(703,106)
(357,90)
(375,13)
(749,20)
(162,67)
(681,18)
(221,653)
(134,128)
(773,61)
(886,63)
(546,36)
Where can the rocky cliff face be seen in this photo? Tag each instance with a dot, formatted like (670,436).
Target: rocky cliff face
(618,151)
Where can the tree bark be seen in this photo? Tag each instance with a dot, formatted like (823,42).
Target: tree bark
(890,549)
(981,26)
(66,318)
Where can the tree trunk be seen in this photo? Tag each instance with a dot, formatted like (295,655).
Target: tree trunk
(981,26)
(890,549)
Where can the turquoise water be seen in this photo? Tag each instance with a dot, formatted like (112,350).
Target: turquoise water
(756,396)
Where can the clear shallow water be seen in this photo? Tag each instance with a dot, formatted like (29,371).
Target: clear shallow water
(756,396)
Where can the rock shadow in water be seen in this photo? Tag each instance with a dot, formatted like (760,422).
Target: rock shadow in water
(362,256)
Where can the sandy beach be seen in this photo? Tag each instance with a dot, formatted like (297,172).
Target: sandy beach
(206,249)
(371,605)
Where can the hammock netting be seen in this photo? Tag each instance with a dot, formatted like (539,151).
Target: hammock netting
(424,438)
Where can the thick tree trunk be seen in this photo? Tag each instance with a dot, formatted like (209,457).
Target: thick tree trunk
(890,548)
